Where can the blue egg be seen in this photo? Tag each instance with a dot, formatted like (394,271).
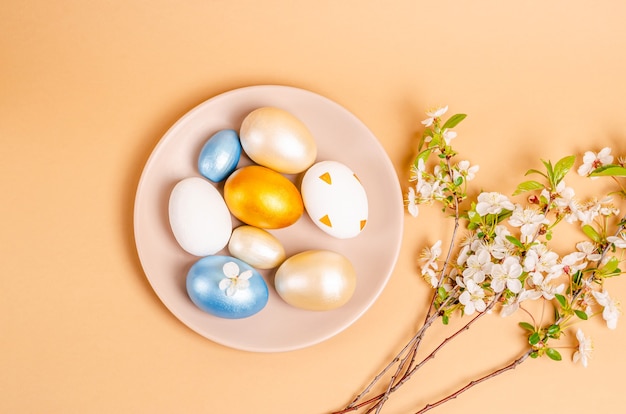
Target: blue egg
(220,155)
(244,300)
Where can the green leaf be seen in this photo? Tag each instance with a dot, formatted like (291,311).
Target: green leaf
(610,266)
(553,354)
(453,121)
(550,171)
(562,301)
(609,170)
(534,338)
(562,167)
(514,241)
(553,330)
(534,354)
(533,171)
(528,186)
(458,181)
(591,233)
(422,156)
(445,319)
(427,133)
(582,315)
(527,326)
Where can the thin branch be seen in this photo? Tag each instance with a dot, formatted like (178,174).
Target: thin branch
(472,384)
(380,399)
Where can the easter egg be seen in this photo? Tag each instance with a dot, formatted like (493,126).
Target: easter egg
(335,199)
(219,155)
(316,280)
(257,247)
(226,287)
(262,197)
(276,139)
(198,217)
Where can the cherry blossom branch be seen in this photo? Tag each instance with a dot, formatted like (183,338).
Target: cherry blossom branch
(416,343)
(379,400)
(473,383)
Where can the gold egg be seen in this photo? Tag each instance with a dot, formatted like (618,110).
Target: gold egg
(316,280)
(276,139)
(262,197)
(257,247)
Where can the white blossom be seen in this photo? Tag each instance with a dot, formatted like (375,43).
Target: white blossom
(477,266)
(418,172)
(434,113)
(492,203)
(472,298)
(464,169)
(448,135)
(412,202)
(565,202)
(529,220)
(234,281)
(591,161)
(619,241)
(611,310)
(430,266)
(589,249)
(507,275)
(570,264)
(585,347)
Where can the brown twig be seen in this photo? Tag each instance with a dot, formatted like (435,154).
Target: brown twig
(473,383)
(379,400)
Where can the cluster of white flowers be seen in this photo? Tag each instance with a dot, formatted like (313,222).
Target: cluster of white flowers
(506,258)
(435,185)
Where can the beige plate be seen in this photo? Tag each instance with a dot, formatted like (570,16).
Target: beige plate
(341,137)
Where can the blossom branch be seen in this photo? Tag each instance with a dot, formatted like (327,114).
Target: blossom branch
(473,383)
(506,258)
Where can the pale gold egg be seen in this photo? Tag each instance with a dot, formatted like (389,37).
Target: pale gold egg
(262,198)
(276,139)
(316,280)
(257,247)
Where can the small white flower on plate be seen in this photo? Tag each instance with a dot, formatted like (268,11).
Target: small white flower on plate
(234,280)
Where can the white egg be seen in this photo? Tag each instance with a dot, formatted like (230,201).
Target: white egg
(335,199)
(198,216)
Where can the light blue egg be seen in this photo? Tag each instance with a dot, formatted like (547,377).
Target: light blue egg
(220,155)
(203,280)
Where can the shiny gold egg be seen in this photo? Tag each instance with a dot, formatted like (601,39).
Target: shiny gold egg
(257,247)
(316,280)
(262,197)
(276,139)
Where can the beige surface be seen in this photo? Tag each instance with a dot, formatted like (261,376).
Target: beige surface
(88,88)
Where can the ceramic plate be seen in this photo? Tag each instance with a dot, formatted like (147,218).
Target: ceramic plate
(340,136)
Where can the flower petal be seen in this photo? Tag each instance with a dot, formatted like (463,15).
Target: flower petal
(230,269)
(224,283)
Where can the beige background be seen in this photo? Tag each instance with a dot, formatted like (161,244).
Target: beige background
(88,88)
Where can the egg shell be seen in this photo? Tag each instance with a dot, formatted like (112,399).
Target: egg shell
(220,155)
(198,217)
(257,247)
(276,139)
(202,285)
(335,199)
(316,280)
(263,198)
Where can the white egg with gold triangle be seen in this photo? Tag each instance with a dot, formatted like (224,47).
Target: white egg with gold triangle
(335,199)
